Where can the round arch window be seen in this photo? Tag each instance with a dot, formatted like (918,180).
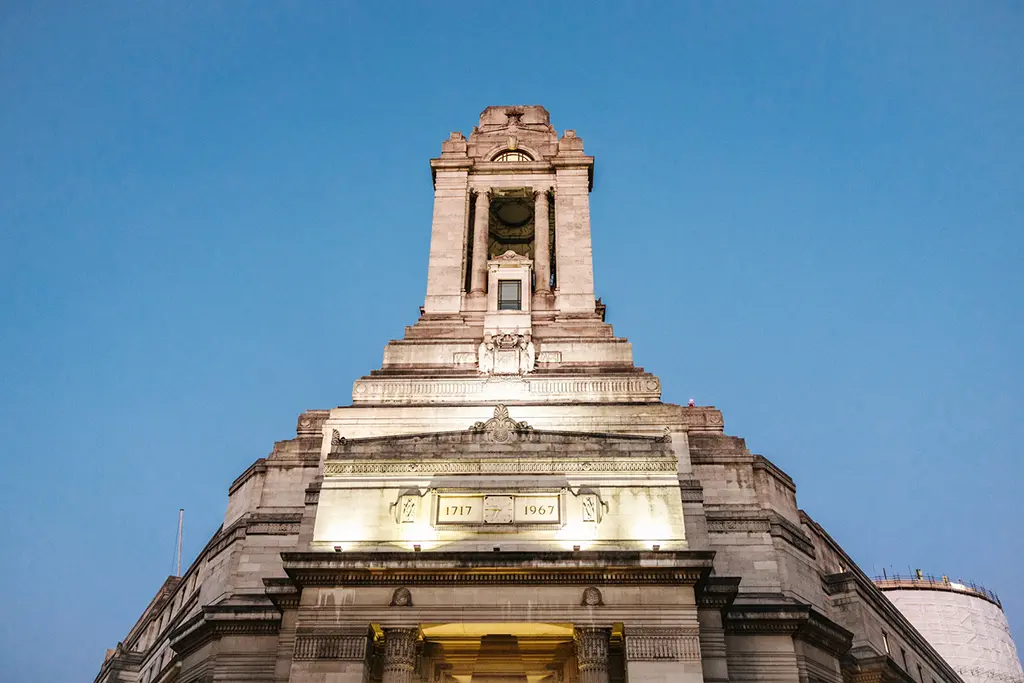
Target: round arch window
(513,155)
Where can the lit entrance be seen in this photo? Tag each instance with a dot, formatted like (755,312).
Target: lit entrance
(500,652)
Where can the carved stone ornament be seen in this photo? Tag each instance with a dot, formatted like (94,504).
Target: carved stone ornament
(501,427)
(337,441)
(346,645)
(592,653)
(399,653)
(592,597)
(661,644)
(514,116)
(401,597)
(507,354)
(406,508)
(510,256)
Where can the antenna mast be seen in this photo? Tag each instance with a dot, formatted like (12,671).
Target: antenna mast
(181,515)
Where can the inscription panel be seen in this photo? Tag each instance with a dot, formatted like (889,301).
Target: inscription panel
(499,509)
(460,510)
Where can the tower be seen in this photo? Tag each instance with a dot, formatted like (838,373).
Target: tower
(508,499)
(510,313)
(964,621)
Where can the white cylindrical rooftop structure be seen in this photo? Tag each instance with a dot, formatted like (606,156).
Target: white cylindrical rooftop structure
(964,622)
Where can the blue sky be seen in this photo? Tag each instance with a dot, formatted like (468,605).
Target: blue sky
(214,215)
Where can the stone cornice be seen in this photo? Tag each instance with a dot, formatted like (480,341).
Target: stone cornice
(120,660)
(273,523)
(802,621)
(258,467)
(261,466)
(441,568)
(282,592)
(691,490)
(311,422)
(854,580)
(791,533)
(863,665)
(215,621)
(717,592)
(761,462)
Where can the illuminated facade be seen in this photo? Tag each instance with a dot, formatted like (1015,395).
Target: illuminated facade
(508,499)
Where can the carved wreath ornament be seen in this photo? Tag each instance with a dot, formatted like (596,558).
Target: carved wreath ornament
(501,427)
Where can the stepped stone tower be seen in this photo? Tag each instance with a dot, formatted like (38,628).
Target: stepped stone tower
(508,499)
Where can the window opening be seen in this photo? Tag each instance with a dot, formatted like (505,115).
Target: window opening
(510,295)
(513,155)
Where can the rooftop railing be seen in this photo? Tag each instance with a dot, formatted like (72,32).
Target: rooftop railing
(921,581)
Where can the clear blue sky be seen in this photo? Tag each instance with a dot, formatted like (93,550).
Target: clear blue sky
(214,215)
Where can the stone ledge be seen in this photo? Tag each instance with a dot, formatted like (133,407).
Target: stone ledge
(575,389)
(214,621)
(802,621)
(615,567)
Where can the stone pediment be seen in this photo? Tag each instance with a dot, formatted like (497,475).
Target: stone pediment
(499,432)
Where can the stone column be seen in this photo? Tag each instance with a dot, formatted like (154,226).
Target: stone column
(399,654)
(482,208)
(541,241)
(592,654)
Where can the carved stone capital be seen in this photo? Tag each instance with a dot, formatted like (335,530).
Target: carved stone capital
(399,654)
(592,654)
(678,644)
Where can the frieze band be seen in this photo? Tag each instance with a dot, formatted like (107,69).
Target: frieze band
(500,467)
(653,644)
(349,646)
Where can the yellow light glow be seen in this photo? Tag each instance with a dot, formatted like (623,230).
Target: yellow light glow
(577,533)
(652,531)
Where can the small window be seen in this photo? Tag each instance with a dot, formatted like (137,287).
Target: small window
(885,642)
(920,673)
(905,666)
(510,295)
(513,155)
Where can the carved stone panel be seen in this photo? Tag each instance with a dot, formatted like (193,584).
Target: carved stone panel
(659,644)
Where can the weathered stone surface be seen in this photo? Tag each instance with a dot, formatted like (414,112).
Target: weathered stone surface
(538,515)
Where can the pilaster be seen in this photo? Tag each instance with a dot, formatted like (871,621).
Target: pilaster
(574,283)
(447,242)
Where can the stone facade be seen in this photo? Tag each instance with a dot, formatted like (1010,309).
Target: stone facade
(508,499)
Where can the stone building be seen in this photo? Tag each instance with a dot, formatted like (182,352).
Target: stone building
(508,499)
